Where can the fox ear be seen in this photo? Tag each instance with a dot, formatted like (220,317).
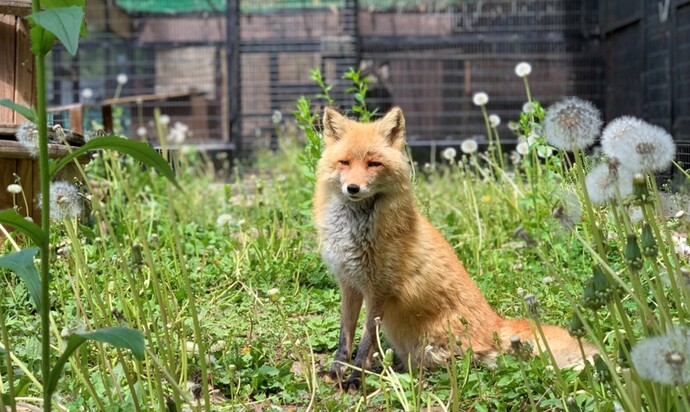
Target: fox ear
(392,127)
(333,125)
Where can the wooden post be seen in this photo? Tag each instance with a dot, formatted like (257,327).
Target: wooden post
(16,60)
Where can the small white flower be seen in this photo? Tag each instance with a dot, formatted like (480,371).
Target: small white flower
(224,219)
(141,131)
(449,153)
(528,108)
(547,280)
(469,146)
(165,119)
(664,359)
(122,79)
(87,93)
(523,69)
(14,188)
(494,120)
(480,99)
(522,148)
(273,294)
(277,117)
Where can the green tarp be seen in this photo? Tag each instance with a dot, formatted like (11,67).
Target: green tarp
(188,6)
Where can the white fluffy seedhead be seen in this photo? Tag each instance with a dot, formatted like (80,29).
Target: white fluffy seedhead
(572,124)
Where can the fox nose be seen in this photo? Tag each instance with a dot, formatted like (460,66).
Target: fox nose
(352,189)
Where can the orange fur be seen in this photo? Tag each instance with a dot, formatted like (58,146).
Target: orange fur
(384,252)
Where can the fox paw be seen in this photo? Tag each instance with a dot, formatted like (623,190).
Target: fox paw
(351,384)
(329,375)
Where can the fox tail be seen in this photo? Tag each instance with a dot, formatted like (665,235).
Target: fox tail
(567,351)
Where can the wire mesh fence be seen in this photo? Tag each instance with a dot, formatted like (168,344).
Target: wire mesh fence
(225,70)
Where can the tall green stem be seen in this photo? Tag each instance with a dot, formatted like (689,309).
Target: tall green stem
(42,124)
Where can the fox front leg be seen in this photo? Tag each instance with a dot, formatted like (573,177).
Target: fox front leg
(374,310)
(351,304)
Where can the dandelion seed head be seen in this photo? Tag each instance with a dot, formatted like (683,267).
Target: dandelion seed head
(522,148)
(515,157)
(545,152)
(27,136)
(639,144)
(277,117)
(165,119)
(87,93)
(14,188)
(664,359)
(122,79)
(572,123)
(469,146)
(141,131)
(568,211)
(494,120)
(65,201)
(605,179)
(528,108)
(523,69)
(224,219)
(449,153)
(480,99)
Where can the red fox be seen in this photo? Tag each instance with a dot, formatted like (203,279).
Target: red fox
(385,253)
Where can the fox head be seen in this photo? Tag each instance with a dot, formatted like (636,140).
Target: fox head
(362,160)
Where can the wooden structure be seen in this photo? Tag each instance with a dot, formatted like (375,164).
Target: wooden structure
(191,107)
(17,83)
(16,60)
(16,160)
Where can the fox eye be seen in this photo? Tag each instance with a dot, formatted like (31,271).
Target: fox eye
(344,162)
(375,164)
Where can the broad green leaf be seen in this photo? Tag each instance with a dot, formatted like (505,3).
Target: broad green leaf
(12,218)
(42,40)
(52,4)
(118,336)
(64,23)
(138,150)
(23,110)
(22,263)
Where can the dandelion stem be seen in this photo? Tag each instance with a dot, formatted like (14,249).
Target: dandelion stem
(8,362)
(579,169)
(527,90)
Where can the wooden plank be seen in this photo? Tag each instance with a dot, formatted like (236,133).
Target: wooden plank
(10,149)
(76,120)
(151,97)
(24,82)
(7,132)
(7,67)
(107,112)
(15,7)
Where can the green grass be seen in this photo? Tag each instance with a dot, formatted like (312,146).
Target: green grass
(242,258)
(124,265)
